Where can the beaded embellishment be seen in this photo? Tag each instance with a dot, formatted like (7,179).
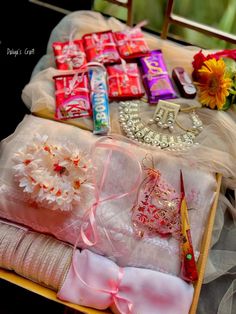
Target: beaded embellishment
(140,131)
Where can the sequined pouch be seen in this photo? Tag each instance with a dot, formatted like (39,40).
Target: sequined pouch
(157,208)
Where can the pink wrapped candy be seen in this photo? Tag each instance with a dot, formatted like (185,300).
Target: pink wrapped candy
(131,44)
(101,47)
(69,55)
(72,96)
(124,82)
(156,78)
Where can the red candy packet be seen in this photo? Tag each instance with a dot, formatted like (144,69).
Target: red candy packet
(72,96)
(131,44)
(100,47)
(124,81)
(69,55)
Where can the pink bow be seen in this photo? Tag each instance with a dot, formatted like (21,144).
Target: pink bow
(71,53)
(77,78)
(99,43)
(97,282)
(123,77)
(129,34)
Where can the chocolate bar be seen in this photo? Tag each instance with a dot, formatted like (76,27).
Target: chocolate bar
(156,78)
(72,96)
(99,99)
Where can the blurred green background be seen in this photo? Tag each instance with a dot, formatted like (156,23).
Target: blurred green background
(220,14)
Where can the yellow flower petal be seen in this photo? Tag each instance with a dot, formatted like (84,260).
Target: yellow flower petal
(213,84)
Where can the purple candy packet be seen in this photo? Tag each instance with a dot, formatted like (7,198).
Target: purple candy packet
(156,78)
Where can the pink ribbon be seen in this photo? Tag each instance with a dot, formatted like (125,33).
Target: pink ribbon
(84,69)
(90,216)
(124,305)
(71,53)
(129,34)
(123,77)
(99,43)
(115,298)
(91,227)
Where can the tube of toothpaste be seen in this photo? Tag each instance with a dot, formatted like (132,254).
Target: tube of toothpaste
(99,100)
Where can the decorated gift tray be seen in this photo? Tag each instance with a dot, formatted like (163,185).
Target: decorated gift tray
(117,213)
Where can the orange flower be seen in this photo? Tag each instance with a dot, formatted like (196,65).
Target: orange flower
(213,83)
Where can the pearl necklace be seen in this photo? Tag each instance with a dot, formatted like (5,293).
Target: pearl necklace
(138,130)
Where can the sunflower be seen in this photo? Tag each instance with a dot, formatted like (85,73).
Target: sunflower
(214,84)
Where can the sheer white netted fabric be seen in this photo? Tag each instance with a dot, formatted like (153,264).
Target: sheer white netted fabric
(216,150)
(116,235)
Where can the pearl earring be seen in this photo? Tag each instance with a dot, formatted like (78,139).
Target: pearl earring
(138,130)
(165,114)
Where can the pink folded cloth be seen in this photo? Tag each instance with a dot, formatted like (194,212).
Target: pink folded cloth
(97,282)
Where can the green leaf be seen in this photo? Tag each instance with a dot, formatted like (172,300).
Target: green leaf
(227,104)
(233,100)
(230,67)
(227,21)
(234,82)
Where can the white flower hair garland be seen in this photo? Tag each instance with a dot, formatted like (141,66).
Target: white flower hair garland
(58,177)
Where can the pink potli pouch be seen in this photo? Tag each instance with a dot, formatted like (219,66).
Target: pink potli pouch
(157,207)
